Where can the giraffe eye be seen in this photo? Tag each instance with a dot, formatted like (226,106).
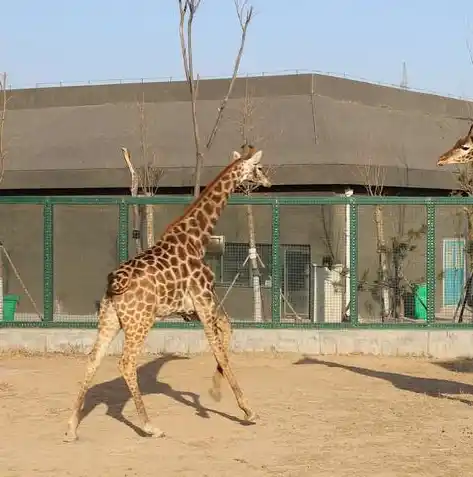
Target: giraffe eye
(465,148)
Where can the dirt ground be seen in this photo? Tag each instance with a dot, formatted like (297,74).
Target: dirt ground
(327,417)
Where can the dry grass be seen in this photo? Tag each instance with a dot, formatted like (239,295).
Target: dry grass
(331,417)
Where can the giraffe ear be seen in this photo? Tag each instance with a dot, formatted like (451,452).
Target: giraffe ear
(236,155)
(470,132)
(256,157)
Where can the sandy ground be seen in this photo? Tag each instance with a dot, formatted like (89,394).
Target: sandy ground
(330,416)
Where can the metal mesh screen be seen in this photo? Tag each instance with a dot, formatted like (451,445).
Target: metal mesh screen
(21,264)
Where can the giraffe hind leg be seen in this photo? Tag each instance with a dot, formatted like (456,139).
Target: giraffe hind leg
(224,333)
(108,328)
(209,317)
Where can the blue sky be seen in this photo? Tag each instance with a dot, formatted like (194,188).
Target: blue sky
(52,41)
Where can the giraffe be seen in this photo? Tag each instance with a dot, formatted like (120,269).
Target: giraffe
(460,153)
(171,277)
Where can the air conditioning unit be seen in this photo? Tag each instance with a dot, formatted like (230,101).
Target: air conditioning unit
(216,245)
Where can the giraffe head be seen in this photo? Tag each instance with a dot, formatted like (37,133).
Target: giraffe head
(460,153)
(251,168)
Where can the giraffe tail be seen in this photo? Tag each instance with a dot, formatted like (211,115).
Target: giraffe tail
(118,282)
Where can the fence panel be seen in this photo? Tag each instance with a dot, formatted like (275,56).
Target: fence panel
(21,264)
(392,271)
(313,262)
(320,262)
(243,275)
(85,245)
(454,258)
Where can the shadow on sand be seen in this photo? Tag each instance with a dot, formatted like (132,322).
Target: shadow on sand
(460,365)
(438,388)
(115,394)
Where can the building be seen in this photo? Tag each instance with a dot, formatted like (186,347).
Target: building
(320,134)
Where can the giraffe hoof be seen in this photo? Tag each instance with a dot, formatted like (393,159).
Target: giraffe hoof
(70,437)
(153,431)
(251,417)
(215,394)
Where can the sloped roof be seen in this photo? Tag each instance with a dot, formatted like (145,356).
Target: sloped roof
(71,136)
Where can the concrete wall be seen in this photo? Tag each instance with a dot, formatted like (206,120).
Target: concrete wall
(441,344)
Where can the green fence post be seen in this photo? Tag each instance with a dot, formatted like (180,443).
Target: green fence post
(276,267)
(48,260)
(353,262)
(123,232)
(430,265)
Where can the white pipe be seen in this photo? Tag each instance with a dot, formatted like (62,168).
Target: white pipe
(348,193)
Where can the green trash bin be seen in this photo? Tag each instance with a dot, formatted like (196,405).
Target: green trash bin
(420,302)
(9,307)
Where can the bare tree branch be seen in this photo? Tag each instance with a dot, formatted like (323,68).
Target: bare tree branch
(470,51)
(245,14)
(373,178)
(312,105)
(189,8)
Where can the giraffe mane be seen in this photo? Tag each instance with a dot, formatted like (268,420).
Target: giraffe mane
(209,187)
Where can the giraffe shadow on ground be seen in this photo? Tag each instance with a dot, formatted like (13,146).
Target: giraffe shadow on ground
(115,394)
(460,365)
(438,388)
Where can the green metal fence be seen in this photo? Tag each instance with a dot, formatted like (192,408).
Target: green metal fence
(415,278)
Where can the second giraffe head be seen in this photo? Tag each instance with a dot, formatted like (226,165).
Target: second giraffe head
(252,170)
(460,153)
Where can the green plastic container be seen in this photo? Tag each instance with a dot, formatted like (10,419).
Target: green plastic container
(9,307)
(420,302)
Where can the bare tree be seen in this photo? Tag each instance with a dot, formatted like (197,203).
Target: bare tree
(149,173)
(134,186)
(373,178)
(249,136)
(188,8)
(464,178)
(391,285)
(3,114)
(144,182)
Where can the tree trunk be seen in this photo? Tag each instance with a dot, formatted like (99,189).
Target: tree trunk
(135,182)
(257,313)
(469,244)
(398,265)
(136,227)
(2,284)
(149,211)
(383,261)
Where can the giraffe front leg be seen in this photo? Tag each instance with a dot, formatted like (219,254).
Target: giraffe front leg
(127,366)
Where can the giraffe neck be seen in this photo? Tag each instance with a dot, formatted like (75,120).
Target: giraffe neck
(198,222)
